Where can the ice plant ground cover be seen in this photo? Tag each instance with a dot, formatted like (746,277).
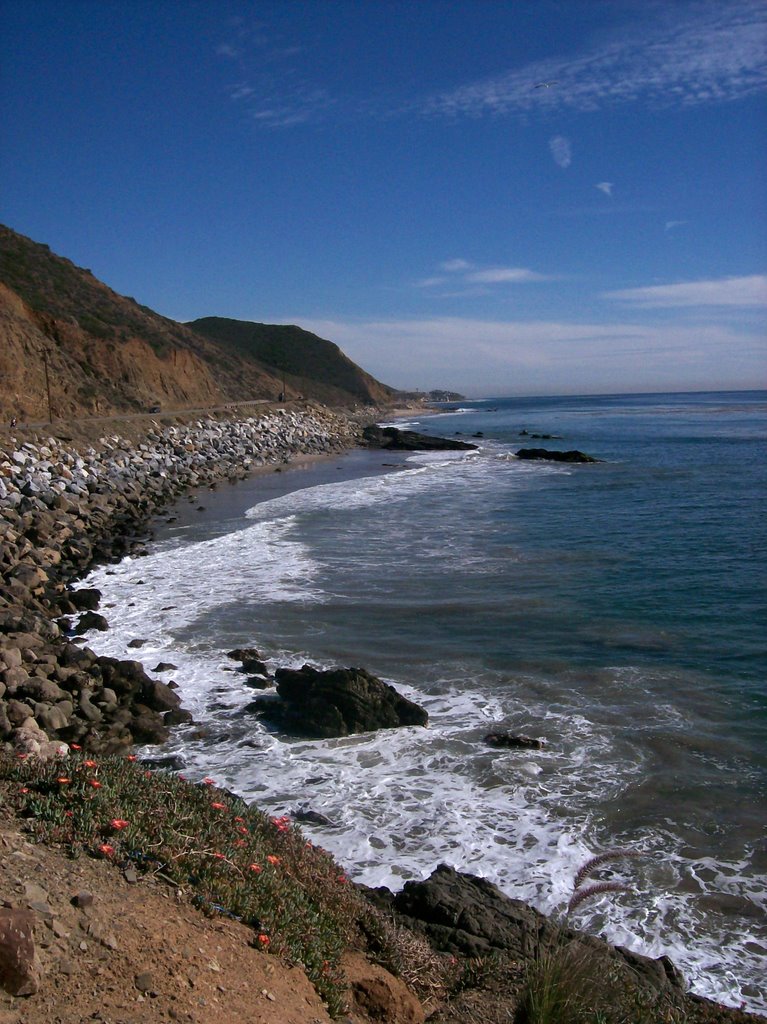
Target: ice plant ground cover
(228,857)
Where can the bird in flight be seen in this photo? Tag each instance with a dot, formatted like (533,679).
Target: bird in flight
(545,85)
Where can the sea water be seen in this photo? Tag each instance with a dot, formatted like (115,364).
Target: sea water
(616,610)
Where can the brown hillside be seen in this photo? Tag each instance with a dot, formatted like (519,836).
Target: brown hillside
(105,353)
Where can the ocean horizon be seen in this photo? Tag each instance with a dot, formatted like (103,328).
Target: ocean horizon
(615,610)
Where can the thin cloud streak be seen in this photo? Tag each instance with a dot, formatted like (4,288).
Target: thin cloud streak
(728,291)
(506,275)
(465,272)
(696,54)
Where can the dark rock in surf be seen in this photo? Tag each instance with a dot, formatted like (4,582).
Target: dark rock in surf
(311,817)
(544,453)
(338,702)
(254,667)
(468,916)
(91,620)
(86,599)
(243,654)
(178,716)
(506,739)
(259,682)
(393,439)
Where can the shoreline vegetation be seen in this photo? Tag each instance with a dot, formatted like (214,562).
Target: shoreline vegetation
(450,949)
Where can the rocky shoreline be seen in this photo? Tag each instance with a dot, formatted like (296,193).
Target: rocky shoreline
(63,508)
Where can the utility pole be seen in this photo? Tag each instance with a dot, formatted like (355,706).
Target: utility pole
(47,384)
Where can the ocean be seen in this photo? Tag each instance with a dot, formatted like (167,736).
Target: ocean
(615,610)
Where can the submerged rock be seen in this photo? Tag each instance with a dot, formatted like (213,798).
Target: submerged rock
(338,702)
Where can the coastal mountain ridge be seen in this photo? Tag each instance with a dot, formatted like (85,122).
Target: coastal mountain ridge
(300,359)
(70,347)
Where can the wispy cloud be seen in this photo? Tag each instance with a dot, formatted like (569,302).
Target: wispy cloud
(452,266)
(465,273)
(561,150)
(271,84)
(505,275)
(606,187)
(686,55)
(726,291)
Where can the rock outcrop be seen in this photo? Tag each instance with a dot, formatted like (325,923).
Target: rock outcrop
(468,916)
(337,702)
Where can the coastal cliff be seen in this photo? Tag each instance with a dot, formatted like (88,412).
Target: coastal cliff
(70,346)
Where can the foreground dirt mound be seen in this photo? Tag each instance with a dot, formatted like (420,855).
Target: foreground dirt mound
(123,952)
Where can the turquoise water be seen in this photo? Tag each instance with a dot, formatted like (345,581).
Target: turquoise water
(616,610)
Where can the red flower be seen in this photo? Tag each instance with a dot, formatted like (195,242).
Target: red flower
(24,789)
(209,782)
(256,868)
(63,780)
(75,746)
(241,820)
(118,823)
(219,856)
(95,783)
(242,830)
(264,940)
(240,842)
(272,859)
(106,849)
(131,757)
(21,757)
(89,764)
(218,807)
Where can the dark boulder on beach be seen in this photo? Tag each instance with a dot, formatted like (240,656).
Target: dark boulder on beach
(393,439)
(338,702)
(545,453)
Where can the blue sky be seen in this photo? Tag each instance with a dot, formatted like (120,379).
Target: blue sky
(529,197)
